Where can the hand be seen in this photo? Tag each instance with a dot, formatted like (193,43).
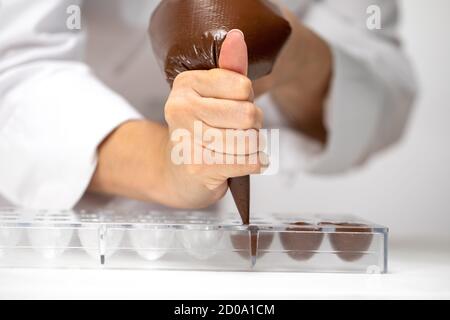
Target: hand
(136,160)
(218,100)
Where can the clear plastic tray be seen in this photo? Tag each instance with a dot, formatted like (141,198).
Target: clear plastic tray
(191,241)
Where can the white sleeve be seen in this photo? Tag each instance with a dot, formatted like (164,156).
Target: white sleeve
(373,85)
(53,111)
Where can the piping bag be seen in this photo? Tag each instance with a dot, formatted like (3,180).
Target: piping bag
(190,34)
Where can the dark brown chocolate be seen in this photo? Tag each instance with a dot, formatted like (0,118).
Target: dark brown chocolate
(188,34)
(240,189)
(251,243)
(301,241)
(351,240)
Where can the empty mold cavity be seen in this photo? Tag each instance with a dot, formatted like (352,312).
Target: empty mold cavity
(201,243)
(50,242)
(152,243)
(91,241)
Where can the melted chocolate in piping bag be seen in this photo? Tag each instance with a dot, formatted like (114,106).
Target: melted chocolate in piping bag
(240,189)
(188,35)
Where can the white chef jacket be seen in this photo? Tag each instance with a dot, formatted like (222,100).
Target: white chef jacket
(63,91)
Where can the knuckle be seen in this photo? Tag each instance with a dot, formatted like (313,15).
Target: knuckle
(245,87)
(215,74)
(169,113)
(179,106)
(250,114)
(184,79)
(180,80)
(171,110)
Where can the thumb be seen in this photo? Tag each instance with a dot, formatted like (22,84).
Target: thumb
(233,54)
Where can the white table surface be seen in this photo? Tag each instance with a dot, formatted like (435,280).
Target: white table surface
(416,271)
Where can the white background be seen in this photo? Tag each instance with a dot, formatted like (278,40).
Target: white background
(408,187)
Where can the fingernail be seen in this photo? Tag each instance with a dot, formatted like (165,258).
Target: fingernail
(236,31)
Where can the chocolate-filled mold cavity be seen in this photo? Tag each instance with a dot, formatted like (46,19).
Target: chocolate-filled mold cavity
(188,34)
(152,243)
(50,242)
(302,240)
(90,240)
(350,240)
(248,243)
(201,243)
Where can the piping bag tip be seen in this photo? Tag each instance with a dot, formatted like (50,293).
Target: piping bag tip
(253,260)
(253,244)
(240,189)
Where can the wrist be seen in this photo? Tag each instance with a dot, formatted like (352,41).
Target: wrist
(130,162)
